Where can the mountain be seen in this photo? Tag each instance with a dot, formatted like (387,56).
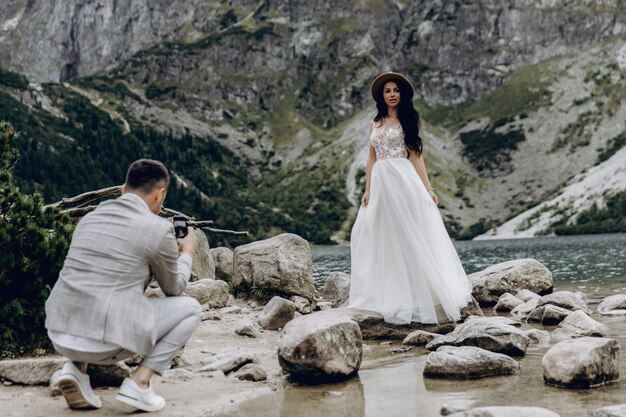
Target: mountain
(261,107)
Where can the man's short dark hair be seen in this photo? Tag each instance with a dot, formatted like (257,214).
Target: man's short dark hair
(145,174)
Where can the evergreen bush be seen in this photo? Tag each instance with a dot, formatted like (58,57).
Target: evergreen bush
(33,241)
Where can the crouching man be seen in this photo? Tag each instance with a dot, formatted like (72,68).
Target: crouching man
(97,312)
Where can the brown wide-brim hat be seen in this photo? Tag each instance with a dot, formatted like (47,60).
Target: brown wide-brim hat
(379,82)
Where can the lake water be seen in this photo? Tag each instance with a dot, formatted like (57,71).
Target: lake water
(392,385)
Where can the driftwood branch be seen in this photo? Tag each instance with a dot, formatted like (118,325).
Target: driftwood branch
(76,207)
(88,197)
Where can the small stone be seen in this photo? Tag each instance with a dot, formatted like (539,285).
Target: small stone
(579,324)
(227,362)
(386,343)
(250,372)
(401,349)
(276,313)
(420,338)
(468,362)
(230,310)
(303,305)
(9,383)
(178,373)
(210,315)
(610,411)
(507,302)
(249,329)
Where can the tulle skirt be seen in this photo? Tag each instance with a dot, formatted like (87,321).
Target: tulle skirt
(404,265)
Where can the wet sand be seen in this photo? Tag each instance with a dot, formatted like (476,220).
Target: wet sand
(392,384)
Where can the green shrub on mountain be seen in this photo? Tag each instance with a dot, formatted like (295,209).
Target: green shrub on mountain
(34,243)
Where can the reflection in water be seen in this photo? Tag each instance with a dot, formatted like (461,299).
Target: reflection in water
(392,385)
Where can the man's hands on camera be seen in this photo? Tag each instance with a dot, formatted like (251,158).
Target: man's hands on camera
(189,243)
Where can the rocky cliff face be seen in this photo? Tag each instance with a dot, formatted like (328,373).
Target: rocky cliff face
(506,88)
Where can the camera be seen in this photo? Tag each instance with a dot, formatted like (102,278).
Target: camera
(180,226)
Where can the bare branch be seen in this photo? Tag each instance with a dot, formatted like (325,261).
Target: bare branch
(88,197)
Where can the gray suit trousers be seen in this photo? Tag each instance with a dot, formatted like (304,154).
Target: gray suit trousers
(176,320)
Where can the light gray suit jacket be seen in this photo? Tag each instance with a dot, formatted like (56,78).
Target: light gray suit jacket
(99,293)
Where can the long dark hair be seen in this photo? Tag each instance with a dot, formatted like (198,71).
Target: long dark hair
(408,116)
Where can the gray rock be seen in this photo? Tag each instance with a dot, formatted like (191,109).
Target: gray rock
(227,362)
(511,276)
(586,362)
(203,266)
(178,374)
(230,310)
(526,295)
(320,346)
(610,411)
(250,372)
(250,329)
(154,292)
(613,305)
(208,291)
(223,259)
(506,412)
(495,319)
(525,309)
(303,306)
(374,326)
(401,349)
(538,336)
(564,299)
(276,313)
(420,338)
(485,333)
(30,371)
(210,315)
(337,288)
(471,309)
(280,264)
(507,302)
(549,314)
(468,362)
(579,324)
(324,305)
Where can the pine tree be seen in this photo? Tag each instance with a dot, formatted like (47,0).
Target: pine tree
(33,244)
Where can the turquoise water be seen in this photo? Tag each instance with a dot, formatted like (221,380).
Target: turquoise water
(392,385)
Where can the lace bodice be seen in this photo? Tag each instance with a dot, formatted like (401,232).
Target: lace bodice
(389,142)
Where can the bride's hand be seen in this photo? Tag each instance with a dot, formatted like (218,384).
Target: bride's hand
(365,199)
(433,196)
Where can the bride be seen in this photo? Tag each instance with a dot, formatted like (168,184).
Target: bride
(404,265)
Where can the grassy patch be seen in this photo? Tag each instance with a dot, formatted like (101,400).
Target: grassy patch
(13,80)
(613,145)
(109,85)
(488,148)
(610,219)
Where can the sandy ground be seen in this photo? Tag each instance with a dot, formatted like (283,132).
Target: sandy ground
(202,395)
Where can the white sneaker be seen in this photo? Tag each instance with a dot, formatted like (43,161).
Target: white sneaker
(141,399)
(76,388)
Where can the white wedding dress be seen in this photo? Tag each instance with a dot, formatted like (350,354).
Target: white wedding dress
(404,265)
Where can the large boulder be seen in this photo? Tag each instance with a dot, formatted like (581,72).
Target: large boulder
(468,362)
(549,314)
(506,412)
(223,259)
(203,266)
(277,313)
(281,264)
(526,295)
(493,335)
(511,276)
(507,302)
(582,363)
(320,346)
(337,288)
(212,292)
(565,299)
(30,371)
(610,411)
(579,324)
(471,309)
(613,305)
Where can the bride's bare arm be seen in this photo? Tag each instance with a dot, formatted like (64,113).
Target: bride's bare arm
(418,162)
